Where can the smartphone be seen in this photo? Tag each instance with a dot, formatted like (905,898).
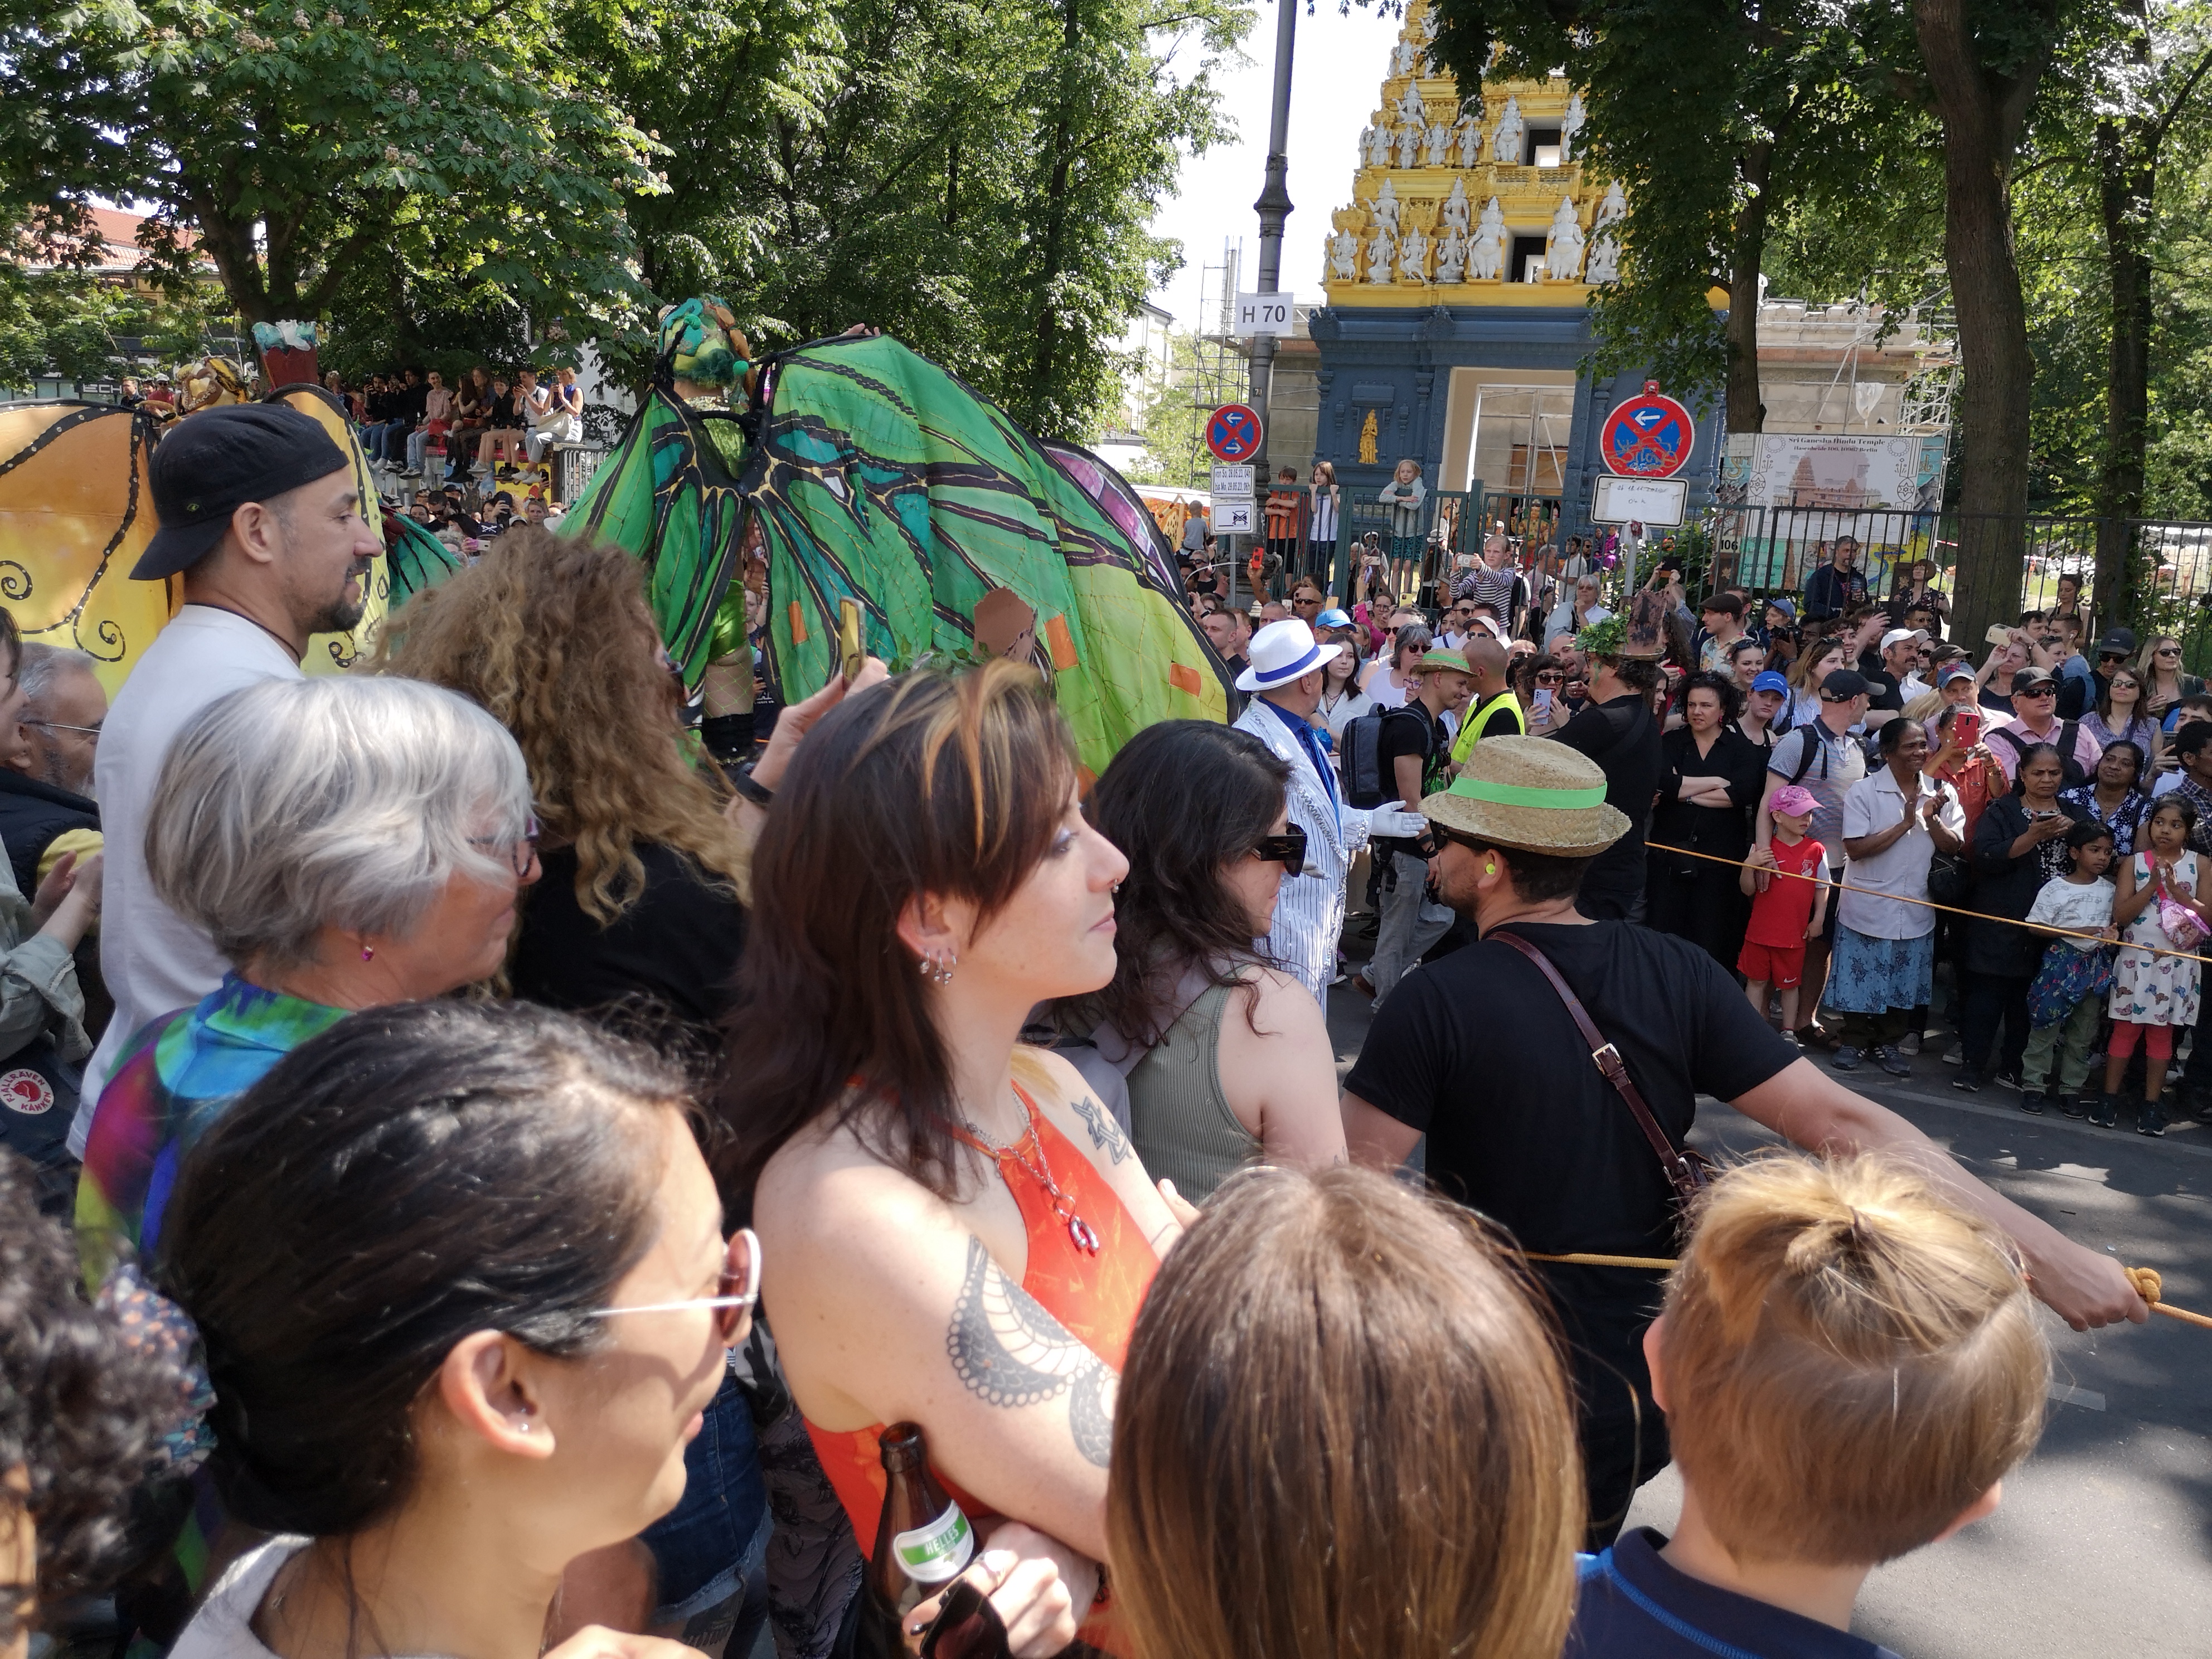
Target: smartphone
(852,652)
(1967,727)
(1997,633)
(967,1626)
(1543,702)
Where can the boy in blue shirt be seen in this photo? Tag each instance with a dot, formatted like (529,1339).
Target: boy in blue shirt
(1848,1365)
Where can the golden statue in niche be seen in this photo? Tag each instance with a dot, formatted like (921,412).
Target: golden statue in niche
(1367,437)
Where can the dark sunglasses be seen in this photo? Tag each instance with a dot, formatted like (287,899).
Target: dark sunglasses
(1287,849)
(1551,677)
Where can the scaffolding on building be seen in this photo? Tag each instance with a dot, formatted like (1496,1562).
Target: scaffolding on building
(1219,371)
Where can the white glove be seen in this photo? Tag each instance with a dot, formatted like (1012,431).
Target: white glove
(1393,823)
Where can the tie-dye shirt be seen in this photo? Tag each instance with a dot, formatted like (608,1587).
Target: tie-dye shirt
(176,1077)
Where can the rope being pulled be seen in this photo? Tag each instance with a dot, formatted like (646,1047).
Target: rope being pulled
(1926,904)
(2145,1280)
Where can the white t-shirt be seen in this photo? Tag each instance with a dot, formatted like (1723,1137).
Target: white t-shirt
(2084,906)
(1876,903)
(155,961)
(223,1627)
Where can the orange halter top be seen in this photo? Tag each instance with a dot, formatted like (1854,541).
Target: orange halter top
(1095,1294)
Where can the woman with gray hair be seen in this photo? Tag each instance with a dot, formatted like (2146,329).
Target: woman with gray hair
(347,843)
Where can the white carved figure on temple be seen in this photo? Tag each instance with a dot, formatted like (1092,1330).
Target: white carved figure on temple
(1613,209)
(1455,210)
(1378,144)
(1562,254)
(1412,111)
(1405,57)
(1386,208)
(1571,123)
(1413,256)
(1344,258)
(1468,135)
(1604,266)
(1506,148)
(1488,257)
(1382,249)
(1366,140)
(1409,144)
(1429,27)
(1439,150)
(1451,258)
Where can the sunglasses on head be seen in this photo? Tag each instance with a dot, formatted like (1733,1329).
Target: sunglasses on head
(1287,849)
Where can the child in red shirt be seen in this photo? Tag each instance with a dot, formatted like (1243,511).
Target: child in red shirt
(1786,880)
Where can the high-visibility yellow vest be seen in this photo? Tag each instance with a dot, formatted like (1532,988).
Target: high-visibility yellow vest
(1463,745)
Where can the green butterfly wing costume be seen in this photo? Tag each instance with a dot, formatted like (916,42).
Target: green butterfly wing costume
(873,474)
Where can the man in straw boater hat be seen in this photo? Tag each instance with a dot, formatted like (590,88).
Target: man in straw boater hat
(1479,1052)
(1616,729)
(1415,745)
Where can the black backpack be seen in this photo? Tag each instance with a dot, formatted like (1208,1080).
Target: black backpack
(1366,783)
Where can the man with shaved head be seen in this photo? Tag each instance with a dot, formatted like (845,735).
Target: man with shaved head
(1493,710)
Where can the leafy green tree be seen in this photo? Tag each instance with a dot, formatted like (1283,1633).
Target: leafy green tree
(286,140)
(77,327)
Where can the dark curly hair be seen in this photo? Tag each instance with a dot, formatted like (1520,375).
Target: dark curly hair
(1183,799)
(1729,693)
(81,1411)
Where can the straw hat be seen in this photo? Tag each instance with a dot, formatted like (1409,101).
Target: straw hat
(1437,660)
(1532,794)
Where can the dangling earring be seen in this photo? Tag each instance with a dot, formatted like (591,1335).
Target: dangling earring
(366,952)
(937,966)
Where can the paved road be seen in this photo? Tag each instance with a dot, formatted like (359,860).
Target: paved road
(2104,1544)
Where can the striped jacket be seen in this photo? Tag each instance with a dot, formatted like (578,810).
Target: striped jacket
(1310,914)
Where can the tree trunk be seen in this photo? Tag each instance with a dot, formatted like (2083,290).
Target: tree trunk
(2127,176)
(1982,115)
(1745,408)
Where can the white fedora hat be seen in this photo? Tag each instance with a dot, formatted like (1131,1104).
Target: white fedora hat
(1282,652)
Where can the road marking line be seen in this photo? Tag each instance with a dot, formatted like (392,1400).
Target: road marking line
(2066,1394)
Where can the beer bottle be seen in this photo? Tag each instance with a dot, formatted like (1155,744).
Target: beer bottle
(922,1540)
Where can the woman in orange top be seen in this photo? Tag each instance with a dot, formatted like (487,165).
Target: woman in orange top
(958,1233)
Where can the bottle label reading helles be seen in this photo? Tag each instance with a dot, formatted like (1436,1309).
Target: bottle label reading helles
(938,1551)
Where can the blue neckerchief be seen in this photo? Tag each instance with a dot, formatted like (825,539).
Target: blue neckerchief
(1309,740)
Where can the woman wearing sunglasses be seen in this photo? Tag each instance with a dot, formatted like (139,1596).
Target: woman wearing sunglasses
(1227,1059)
(959,1234)
(2164,684)
(461,1278)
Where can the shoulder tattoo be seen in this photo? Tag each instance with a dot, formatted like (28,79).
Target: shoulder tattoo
(1008,1350)
(1105,1134)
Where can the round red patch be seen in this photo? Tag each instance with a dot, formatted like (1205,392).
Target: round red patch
(24,1090)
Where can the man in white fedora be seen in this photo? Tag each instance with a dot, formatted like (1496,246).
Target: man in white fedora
(1285,681)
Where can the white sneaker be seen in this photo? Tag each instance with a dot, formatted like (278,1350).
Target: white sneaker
(1909,1044)
(1956,1054)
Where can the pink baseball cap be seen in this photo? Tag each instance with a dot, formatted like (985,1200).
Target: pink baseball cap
(1793,798)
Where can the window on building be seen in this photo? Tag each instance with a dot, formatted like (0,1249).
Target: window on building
(1527,264)
(1544,147)
(1521,436)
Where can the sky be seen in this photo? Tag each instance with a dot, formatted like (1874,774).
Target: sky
(1336,83)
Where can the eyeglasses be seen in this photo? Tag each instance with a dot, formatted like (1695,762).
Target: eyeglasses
(2036,691)
(740,1290)
(1551,677)
(1287,849)
(2167,651)
(92,732)
(522,852)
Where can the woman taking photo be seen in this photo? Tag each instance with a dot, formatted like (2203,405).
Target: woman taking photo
(1882,965)
(2119,717)
(2115,797)
(1388,682)
(1814,663)
(460,1275)
(1993,685)
(957,1233)
(1227,1061)
(1314,1338)
(2164,684)
(2019,844)
(1713,779)
(641,903)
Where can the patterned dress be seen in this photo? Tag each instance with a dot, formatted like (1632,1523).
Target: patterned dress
(2147,989)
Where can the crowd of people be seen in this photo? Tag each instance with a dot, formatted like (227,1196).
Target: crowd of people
(530,1177)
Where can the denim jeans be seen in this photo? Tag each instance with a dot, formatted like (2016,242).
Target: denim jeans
(1410,924)
(705,1547)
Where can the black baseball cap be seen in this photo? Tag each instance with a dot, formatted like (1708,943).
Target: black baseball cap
(2031,679)
(2117,643)
(209,464)
(1843,685)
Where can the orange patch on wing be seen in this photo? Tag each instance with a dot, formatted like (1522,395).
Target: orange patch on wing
(1062,643)
(1184,678)
(797,624)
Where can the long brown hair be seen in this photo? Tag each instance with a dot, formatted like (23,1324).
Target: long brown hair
(1343,1431)
(950,785)
(554,637)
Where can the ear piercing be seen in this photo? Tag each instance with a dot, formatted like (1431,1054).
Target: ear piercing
(937,966)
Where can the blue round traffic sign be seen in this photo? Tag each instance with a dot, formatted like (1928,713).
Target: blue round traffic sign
(1233,434)
(1649,436)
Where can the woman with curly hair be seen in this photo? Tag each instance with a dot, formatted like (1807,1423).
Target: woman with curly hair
(645,871)
(1228,1058)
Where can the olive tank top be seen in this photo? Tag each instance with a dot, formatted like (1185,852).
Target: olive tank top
(1178,1116)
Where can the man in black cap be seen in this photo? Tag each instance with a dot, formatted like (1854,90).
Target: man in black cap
(261,517)
(2076,696)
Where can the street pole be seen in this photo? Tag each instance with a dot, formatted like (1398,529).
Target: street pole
(1274,207)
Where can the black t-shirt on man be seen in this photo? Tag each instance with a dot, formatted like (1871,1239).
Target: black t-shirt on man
(1408,731)
(1529,1132)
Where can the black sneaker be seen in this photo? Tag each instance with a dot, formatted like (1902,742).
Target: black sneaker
(1968,1081)
(2150,1118)
(2031,1100)
(2105,1114)
(2006,1077)
(1886,1056)
(1845,1059)
(2072,1106)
